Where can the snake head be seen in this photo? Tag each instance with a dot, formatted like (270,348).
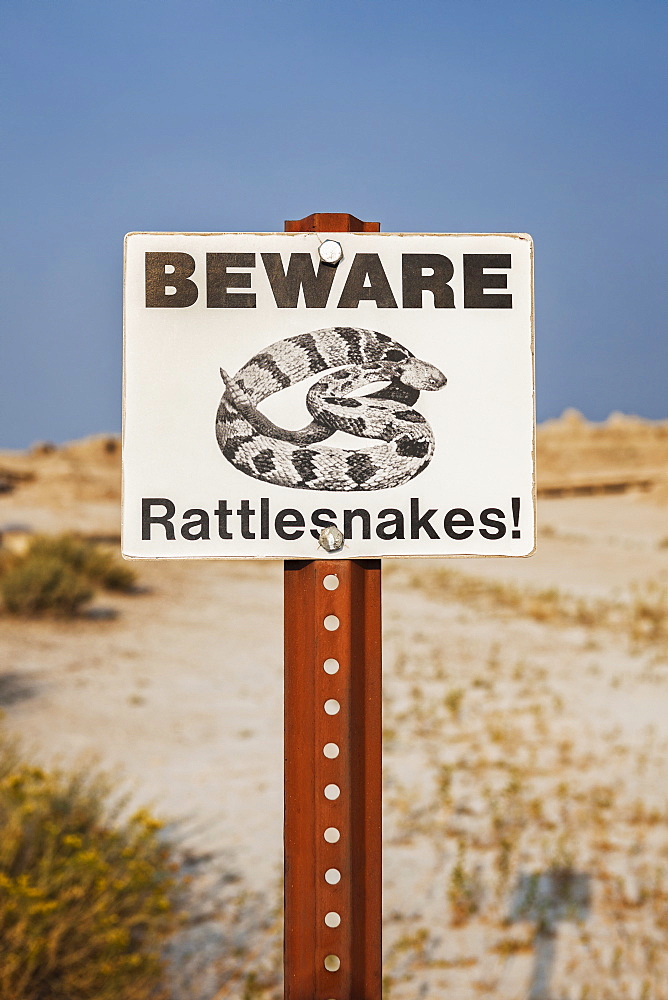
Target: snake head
(420,374)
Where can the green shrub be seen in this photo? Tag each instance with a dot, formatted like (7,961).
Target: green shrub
(85,900)
(96,564)
(35,584)
(58,574)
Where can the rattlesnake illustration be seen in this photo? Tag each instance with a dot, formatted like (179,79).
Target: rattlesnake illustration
(260,448)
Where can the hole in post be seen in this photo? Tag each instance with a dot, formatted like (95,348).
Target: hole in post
(330,582)
(332,792)
(332,835)
(331,666)
(331,623)
(330,750)
(332,876)
(332,706)
(332,919)
(332,963)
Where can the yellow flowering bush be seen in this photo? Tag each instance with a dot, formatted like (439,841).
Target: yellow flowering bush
(86,900)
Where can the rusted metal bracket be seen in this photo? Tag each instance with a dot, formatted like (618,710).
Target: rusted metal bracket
(330,222)
(333,740)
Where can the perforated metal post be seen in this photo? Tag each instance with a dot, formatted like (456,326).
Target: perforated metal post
(332,828)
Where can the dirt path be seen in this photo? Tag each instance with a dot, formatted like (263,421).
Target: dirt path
(182,693)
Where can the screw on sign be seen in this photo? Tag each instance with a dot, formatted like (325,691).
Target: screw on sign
(333,737)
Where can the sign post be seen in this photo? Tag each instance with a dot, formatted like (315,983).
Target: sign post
(329,396)
(333,739)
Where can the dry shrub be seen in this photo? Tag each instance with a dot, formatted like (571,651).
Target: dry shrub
(648,614)
(643,617)
(58,574)
(85,900)
(464,890)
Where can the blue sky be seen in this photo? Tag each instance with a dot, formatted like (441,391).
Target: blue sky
(466,116)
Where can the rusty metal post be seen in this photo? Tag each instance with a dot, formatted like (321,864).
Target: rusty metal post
(332,826)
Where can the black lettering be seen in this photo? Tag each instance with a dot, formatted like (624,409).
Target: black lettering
(147,518)
(300,274)
(264,517)
(158,280)
(476,281)
(421,523)
(289,524)
(222,512)
(197,525)
(490,517)
(219,280)
(245,513)
(317,521)
(367,265)
(394,527)
(458,523)
(348,516)
(415,281)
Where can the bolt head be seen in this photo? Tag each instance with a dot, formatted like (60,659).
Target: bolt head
(330,252)
(331,539)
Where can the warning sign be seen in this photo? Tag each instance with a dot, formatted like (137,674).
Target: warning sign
(305,395)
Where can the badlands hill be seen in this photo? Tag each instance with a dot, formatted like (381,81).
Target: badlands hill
(576,457)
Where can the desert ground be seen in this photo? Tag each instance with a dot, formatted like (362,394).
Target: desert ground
(525,737)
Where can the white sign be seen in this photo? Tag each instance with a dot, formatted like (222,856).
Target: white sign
(275,387)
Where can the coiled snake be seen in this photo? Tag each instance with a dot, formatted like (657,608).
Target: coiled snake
(262,449)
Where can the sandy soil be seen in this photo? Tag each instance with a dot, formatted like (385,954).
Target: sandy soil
(526,752)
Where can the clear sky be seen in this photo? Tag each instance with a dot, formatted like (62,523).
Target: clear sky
(438,115)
